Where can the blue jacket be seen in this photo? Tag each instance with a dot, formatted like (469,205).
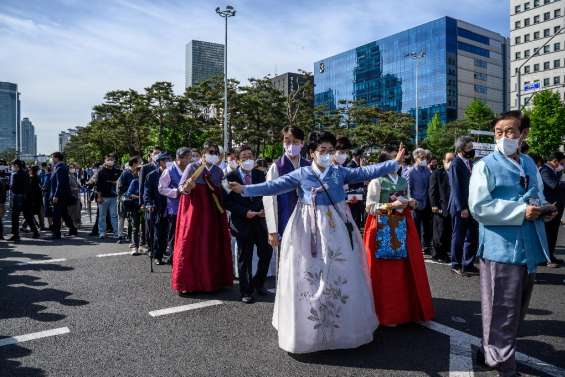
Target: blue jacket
(459,177)
(151,196)
(59,183)
(304,181)
(133,188)
(419,183)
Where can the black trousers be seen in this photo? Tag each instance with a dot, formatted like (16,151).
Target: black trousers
(19,207)
(357,212)
(256,236)
(423,220)
(552,231)
(171,229)
(441,240)
(60,212)
(134,220)
(157,226)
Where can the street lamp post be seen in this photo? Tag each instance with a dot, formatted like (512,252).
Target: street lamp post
(417,56)
(226,13)
(519,69)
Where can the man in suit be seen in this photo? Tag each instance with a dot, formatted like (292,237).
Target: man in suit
(465,228)
(419,184)
(551,174)
(145,170)
(61,196)
(439,199)
(357,206)
(249,227)
(156,210)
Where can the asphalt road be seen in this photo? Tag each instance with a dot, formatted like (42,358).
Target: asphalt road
(104,302)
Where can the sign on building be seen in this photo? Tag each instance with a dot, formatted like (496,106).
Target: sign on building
(532,86)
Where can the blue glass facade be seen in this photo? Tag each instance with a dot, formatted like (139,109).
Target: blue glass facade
(381,75)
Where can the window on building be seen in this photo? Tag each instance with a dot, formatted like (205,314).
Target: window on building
(517,25)
(556,80)
(546,33)
(546,1)
(545,66)
(480,63)
(547,16)
(536,67)
(536,50)
(536,3)
(517,40)
(557,13)
(556,29)
(474,49)
(536,35)
(527,6)
(518,55)
(526,38)
(526,53)
(526,22)
(557,46)
(480,76)
(480,89)
(557,63)
(546,82)
(527,69)
(517,9)
(536,19)
(546,49)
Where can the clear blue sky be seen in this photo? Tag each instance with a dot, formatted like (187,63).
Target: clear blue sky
(65,54)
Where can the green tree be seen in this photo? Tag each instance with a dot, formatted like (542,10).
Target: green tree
(478,115)
(547,123)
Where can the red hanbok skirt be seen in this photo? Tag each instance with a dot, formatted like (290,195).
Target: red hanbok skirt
(202,259)
(400,287)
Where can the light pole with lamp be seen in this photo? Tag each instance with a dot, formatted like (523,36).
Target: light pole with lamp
(519,69)
(226,13)
(417,56)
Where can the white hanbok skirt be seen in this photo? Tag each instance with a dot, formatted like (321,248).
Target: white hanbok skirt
(323,299)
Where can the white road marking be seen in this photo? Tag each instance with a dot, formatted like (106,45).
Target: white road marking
(32,336)
(431,261)
(112,254)
(460,355)
(458,319)
(184,308)
(47,261)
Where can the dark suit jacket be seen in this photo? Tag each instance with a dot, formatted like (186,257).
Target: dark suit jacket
(144,172)
(355,187)
(439,190)
(238,205)
(459,177)
(551,180)
(151,196)
(60,186)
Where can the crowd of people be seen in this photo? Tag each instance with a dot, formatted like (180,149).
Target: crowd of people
(346,238)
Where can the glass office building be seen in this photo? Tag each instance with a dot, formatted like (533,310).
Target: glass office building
(9,115)
(203,60)
(461,62)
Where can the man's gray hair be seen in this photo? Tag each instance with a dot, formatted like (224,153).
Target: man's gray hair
(461,142)
(183,152)
(420,153)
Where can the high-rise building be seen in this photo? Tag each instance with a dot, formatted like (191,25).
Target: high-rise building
(537,48)
(289,82)
(460,62)
(9,115)
(203,60)
(28,138)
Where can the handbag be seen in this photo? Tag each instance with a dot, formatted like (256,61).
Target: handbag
(391,236)
(348,224)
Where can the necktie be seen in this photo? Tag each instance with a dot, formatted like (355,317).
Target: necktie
(247,179)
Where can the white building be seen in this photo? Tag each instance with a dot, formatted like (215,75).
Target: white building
(534,23)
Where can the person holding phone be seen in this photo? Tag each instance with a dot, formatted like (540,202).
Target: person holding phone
(504,198)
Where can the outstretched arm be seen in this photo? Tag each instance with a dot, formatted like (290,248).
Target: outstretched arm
(366,173)
(286,183)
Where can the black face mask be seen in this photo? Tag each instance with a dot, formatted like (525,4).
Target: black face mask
(469,155)
(433,167)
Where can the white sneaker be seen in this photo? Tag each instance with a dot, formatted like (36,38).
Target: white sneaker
(134,251)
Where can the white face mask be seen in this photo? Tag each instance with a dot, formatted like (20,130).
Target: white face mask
(323,160)
(211,158)
(248,165)
(169,164)
(507,146)
(559,168)
(154,156)
(232,164)
(341,157)
(446,165)
(424,163)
